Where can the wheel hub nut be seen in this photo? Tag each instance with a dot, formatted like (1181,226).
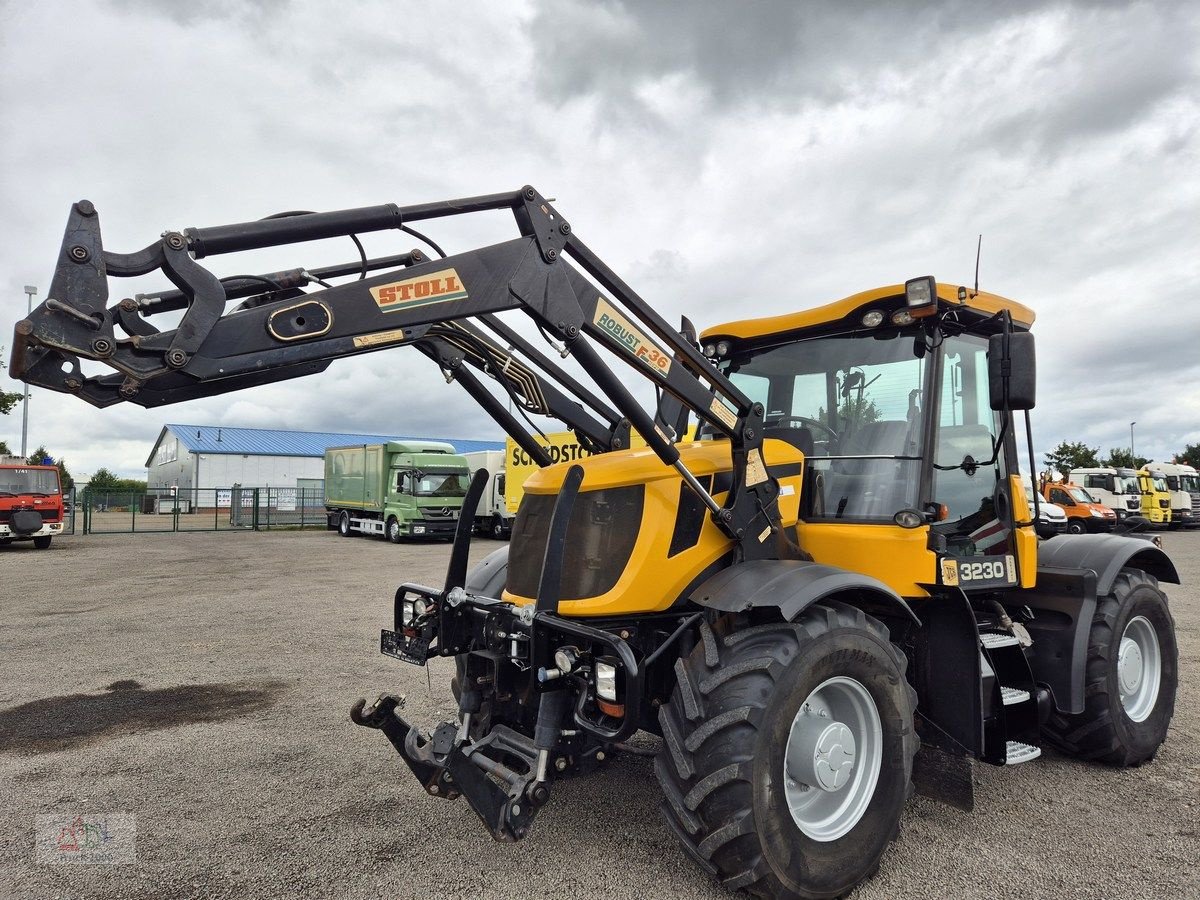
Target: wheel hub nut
(825,757)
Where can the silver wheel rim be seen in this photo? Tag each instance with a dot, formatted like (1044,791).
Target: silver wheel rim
(833,757)
(394,529)
(1139,669)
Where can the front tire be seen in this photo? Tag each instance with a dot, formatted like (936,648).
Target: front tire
(1076,526)
(787,752)
(393,530)
(1131,675)
(42,543)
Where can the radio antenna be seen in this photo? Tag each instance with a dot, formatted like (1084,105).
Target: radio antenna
(978,248)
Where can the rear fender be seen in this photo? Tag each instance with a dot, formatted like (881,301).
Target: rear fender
(1106,555)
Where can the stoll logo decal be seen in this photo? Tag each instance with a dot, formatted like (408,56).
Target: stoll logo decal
(436,287)
(633,340)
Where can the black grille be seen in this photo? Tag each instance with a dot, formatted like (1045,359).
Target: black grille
(600,537)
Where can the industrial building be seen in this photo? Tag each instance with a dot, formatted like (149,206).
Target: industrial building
(190,457)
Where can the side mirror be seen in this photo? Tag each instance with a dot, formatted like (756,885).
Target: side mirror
(1012,371)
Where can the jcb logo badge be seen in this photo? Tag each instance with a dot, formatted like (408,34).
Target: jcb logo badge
(949,573)
(436,287)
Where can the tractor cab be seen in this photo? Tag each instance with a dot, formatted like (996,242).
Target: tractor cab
(891,401)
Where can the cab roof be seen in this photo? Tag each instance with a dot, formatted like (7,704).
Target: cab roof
(988,304)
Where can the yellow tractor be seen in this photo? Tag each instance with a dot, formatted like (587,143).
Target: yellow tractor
(831,596)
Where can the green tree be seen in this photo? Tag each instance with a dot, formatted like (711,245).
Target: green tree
(105,482)
(102,480)
(4,451)
(8,399)
(1190,456)
(1072,455)
(1120,458)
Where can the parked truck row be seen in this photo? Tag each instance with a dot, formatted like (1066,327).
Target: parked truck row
(1096,499)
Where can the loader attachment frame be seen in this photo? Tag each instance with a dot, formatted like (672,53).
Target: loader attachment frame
(445,307)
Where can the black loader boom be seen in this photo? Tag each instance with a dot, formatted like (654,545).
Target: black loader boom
(446,307)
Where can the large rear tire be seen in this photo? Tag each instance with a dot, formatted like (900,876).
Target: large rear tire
(1130,680)
(43,543)
(344,524)
(787,752)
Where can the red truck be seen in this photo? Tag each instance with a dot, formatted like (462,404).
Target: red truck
(31,502)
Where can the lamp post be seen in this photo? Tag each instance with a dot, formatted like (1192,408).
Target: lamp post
(1132,455)
(30,290)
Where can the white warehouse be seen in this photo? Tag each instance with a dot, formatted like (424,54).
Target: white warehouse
(188,457)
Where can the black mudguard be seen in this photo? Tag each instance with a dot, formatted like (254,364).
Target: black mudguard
(792,585)
(1074,571)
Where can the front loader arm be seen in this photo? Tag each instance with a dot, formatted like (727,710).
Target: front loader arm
(285,333)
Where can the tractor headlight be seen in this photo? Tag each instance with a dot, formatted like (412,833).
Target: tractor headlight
(872,318)
(565,659)
(920,296)
(606,681)
(412,610)
(722,348)
(710,350)
(902,317)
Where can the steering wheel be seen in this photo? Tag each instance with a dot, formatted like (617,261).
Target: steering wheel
(784,421)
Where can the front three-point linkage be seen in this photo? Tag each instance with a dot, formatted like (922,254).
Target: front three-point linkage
(503,775)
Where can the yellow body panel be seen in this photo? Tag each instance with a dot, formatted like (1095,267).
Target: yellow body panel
(833,312)
(899,557)
(651,581)
(1026,543)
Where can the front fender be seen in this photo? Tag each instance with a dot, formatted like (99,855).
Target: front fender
(792,585)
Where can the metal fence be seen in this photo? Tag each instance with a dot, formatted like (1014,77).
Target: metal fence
(234,508)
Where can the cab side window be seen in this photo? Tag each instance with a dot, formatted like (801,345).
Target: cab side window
(1060,497)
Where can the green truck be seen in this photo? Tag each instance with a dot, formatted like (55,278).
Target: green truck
(395,490)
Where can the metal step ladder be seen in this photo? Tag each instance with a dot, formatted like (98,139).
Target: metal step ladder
(997,646)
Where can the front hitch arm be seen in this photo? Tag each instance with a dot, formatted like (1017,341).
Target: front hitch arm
(448,768)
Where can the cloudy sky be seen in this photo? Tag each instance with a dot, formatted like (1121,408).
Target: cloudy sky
(732,159)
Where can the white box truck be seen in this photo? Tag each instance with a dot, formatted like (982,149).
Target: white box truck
(1117,489)
(493,516)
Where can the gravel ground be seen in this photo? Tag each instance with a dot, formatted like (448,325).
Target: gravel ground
(201,682)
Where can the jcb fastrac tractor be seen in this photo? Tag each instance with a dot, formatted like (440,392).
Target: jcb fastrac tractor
(829,596)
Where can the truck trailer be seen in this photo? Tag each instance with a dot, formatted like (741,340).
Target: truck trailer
(395,490)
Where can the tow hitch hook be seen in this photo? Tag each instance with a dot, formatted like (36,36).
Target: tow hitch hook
(505,798)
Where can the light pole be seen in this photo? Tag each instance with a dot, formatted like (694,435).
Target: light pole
(1132,455)
(30,290)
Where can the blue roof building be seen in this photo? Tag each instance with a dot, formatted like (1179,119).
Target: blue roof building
(211,456)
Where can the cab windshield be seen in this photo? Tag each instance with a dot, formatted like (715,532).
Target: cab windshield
(28,481)
(1160,484)
(1190,483)
(1126,484)
(855,404)
(440,484)
(858,405)
(1079,495)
